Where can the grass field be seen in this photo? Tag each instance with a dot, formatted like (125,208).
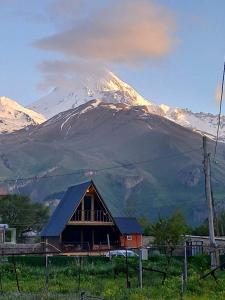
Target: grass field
(66,277)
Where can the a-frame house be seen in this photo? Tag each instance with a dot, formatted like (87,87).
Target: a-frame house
(82,222)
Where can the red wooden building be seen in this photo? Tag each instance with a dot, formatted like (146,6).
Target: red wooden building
(82,221)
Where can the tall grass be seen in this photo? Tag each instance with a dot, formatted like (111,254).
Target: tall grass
(67,276)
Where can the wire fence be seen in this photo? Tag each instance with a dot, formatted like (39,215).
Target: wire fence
(52,270)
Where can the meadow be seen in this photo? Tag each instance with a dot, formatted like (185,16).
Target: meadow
(67,277)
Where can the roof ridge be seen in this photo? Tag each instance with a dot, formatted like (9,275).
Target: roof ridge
(83,182)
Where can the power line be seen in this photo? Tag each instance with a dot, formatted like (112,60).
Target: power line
(220,110)
(150,193)
(94,171)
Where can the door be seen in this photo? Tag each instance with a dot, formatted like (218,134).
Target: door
(87,208)
(87,239)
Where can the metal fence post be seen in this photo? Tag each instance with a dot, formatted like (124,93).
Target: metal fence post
(182,285)
(15,271)
(127,270)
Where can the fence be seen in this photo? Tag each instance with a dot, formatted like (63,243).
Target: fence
(78,271)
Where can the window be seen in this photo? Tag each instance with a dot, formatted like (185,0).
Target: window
(129,237)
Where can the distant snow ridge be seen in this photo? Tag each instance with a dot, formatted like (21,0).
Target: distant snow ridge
(200,122)
(109,89)
(14,116)
(204,123)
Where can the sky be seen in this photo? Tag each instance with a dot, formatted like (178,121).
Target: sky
(170,51)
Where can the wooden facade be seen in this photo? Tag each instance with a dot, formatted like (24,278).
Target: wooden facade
(82,222)
(131,240)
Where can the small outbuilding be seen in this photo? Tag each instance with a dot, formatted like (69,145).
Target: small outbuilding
(7,235)
(82,221)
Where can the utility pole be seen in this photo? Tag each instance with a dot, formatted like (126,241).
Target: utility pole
(140,269)
(208,193)
(185,263)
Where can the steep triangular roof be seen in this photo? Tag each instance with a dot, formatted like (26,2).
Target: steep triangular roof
(69,204)
(64,210)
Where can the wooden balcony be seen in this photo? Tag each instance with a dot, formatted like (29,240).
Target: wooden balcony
(90,217)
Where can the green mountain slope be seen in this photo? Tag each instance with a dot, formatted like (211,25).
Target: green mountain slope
(147,165)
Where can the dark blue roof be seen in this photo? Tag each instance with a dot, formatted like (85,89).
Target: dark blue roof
(128,225)
(70,202)
(64,210)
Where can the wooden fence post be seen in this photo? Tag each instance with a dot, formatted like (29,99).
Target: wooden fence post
(15,271)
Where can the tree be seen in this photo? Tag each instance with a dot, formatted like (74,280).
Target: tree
(202,230)
(169,232)
(146,225)
(21,213)
(219,224)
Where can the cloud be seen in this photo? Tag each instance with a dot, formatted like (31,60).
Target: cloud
(104,33)
(128,31)
(218,93)
(69,74)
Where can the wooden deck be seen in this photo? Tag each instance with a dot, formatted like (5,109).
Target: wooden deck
(40,249)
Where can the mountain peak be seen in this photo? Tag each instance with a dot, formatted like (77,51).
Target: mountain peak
(14,116)
(108,88)
(7,102)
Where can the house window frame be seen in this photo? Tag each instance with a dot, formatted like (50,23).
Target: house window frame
(129,237)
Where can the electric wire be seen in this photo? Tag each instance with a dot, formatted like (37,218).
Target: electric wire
(94,171)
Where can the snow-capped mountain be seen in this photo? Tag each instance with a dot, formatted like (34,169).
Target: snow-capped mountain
(104,141)
(199,122)
(204,123)
(14,116)
(111,89)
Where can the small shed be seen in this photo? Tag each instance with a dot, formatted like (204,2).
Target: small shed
(130,232)
(82,221)
(7,235)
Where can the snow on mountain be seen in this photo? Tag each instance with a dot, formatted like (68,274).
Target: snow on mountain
(204,123)
(109,89)
(14,116)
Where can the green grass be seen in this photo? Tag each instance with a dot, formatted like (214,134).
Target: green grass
(107,279)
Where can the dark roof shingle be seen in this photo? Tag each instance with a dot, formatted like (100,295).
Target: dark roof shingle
(128,225)
(64,210)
